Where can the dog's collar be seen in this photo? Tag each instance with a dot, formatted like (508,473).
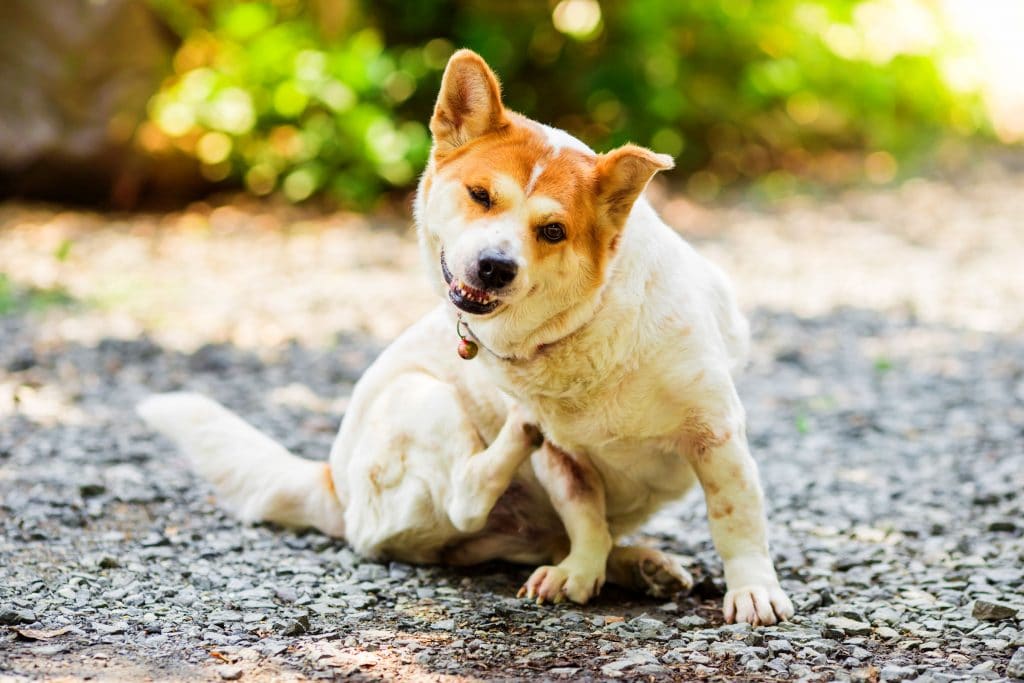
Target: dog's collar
(540,348)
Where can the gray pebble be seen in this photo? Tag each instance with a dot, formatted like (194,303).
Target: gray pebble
(1015,667)
(992,611)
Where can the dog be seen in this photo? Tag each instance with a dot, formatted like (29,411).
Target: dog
(601,388)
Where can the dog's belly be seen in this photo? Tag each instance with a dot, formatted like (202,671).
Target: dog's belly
(639,478)
(640,474)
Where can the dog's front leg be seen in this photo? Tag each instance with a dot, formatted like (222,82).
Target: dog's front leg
(577,494)
(736,516)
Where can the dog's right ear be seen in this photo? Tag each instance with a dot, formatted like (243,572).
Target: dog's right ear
(469,104)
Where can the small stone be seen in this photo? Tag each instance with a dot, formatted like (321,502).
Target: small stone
(10,616)
(779,646)
(984,667)
(23,359)
(229,673)
(111,629)
(444,625)
(91,490)
(897,673)
(754,664)
(225,616)
(860,653)
(108,562)
(297,627)
(996,644)
(848,626)
(691,621)
(812,657)
(864,674)
(992,611)
(646,627)
(1015,668)
(564,671)
(886,633)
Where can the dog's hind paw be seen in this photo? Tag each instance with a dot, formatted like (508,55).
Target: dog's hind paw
(649,571)
(664,576)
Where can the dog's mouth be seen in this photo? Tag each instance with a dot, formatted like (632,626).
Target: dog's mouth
(467,298)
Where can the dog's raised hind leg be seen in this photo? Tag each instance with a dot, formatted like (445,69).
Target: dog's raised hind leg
(479,479)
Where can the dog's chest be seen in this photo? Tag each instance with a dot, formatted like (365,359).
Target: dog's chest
(583,405)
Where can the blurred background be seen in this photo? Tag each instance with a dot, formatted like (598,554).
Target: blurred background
(121,102)
(246,167)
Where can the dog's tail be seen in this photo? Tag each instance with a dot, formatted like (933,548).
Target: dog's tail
(255,477)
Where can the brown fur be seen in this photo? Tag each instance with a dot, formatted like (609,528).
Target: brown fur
(719,512)
(577,479)
(329,479)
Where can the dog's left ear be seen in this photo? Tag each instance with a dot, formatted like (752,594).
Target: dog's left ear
(469,104)
(622,175)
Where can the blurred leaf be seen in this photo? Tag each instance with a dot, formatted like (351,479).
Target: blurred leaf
(771,92)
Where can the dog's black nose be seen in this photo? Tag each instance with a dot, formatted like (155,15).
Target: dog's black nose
(495,269)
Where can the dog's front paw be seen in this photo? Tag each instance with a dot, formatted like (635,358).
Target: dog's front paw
(555,584)
(757,605)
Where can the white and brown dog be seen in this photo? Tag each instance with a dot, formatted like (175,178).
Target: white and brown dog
(595,321)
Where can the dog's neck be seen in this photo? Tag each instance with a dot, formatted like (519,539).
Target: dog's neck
(552,332)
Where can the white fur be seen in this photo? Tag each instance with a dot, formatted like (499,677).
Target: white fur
(256,478)
(559,139)
(631,385)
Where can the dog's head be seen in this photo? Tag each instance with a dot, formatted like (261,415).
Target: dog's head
(518,220)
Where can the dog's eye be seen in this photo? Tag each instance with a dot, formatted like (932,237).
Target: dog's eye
(552,232)
(480,196)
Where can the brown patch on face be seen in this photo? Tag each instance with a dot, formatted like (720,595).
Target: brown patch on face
(568,178)
(576,480)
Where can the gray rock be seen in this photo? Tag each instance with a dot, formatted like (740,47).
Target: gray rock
(896,673)
(564,671)
(691,621)
(1015,667)
(779,646)
(13,616)
(444,625)
(847,626)
(229,672)
(992,611)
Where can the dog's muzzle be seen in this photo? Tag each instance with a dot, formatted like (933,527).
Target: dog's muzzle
(470,299)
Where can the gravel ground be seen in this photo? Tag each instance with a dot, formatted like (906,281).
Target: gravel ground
(891,445)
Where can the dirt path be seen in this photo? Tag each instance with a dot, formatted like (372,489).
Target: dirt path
(886,398)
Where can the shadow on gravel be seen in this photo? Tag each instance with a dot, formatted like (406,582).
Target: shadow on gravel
(892,455)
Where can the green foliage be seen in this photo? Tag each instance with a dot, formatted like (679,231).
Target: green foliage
(335,96)
(14,299)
